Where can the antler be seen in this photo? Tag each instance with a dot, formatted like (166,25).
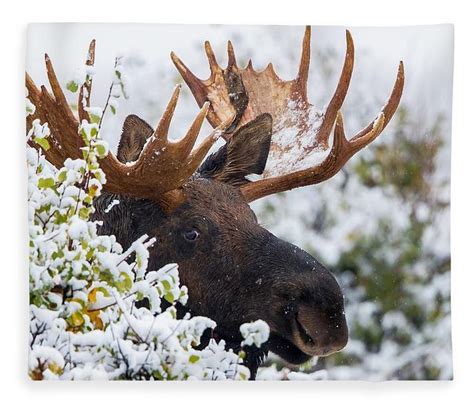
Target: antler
(161,169)
(301,133)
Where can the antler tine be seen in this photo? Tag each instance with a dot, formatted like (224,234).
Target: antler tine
(161,132)
(186,144)
(54,110)
(194,83)
(57,90)
(200,152)
(302,78)
(86,87)
(342,145)
(65,140)
(339,95)
(232,62)
(392,103)
(250,65)
(213,65)
(159,141)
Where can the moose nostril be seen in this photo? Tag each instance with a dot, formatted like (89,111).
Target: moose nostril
(304,332)
(317,332)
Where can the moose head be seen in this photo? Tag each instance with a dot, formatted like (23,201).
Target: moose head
(198,208)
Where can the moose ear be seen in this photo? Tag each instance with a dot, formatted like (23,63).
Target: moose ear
(246,153)
(135,132)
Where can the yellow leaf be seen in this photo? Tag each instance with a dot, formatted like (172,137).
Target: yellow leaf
(95,319)
(77,319)
(56,369)
(92,297)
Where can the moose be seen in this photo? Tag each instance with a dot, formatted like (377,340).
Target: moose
(197,204)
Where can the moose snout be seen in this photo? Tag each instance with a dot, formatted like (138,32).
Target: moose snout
(319,326)
(314,306)
(317,332)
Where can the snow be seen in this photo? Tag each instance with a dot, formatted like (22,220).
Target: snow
(327,220)
(38,130)
(290,143)
(45,355)
(78,229)
(112,204)
(255,333)
(94,110)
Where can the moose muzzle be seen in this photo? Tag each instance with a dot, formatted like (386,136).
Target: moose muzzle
(308,311)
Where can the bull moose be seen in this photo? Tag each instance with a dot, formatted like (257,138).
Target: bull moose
(198,208)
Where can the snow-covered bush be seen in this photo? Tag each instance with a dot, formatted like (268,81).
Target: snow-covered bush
(83,288)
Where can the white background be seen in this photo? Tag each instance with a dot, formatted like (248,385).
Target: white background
(17,389)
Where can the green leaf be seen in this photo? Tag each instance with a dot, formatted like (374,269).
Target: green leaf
(101,150)
(125,284)
(62,176)
(122,87)
(42,142)
(60,218)
(72,86)
(94,118)
(57,255)
(46,183)
(169,297)
(84,213)
(104,291)
(85,138)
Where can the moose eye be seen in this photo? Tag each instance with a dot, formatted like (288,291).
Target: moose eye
(191,235)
